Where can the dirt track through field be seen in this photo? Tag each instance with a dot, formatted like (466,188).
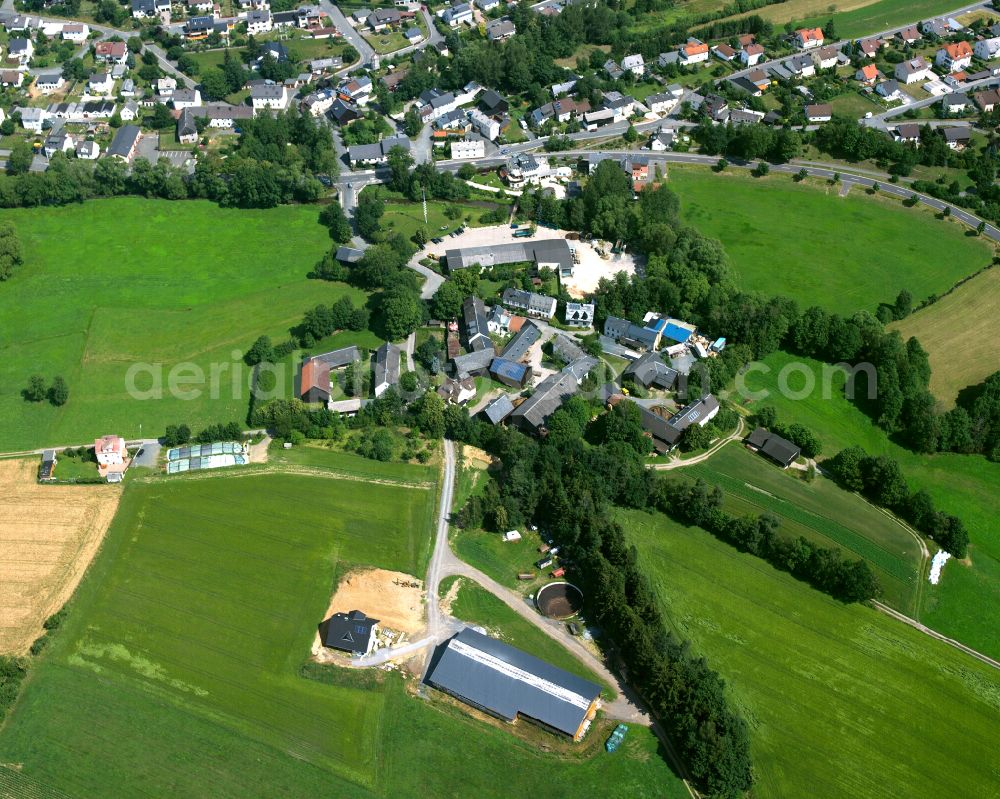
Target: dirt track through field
(48,536)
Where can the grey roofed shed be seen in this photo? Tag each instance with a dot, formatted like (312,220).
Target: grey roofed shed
(549,396)
(349,255)
(387,365)
(566,348)
(499,409)
(508,682)
(474,362)
(335,359)
(518,346)
(649,370)
(780,450)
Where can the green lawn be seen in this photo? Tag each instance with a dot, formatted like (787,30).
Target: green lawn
(189,631)
(960,355)
(788,238)
(821,512)
(966,603)
(476,605)
(406,217)
(879,16)
(179,669)
(841,700)
(315,456)
(110,284)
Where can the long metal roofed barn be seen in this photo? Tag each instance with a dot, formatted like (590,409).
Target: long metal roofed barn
(554,253)
(506,682)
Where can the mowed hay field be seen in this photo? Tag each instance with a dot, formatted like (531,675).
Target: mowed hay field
(186,640)
(966,603)
(821,512)
(841,700)
(95,296)
(958,332)
(790,238)
(48,536)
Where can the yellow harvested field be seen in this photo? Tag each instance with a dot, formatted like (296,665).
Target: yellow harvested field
(48,536)
(958,332)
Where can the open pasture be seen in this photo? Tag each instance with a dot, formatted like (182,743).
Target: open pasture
(841,700)
(821,512)
(843,254)
(94,300)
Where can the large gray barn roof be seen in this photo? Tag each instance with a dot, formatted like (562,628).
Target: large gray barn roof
(544,251)
(549,396)
(506,681)
(518,346)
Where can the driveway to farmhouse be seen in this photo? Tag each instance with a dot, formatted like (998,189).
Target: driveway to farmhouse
(444,563)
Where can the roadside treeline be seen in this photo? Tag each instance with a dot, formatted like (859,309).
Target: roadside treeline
(276,162)
(880,478)
(690,275)
(847,139)
(569,488)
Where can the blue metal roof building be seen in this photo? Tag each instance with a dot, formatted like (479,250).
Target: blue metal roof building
(510,373)
(507,683)
(676,333)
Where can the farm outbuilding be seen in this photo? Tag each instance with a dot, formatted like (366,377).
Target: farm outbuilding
(506,682)
(778,449)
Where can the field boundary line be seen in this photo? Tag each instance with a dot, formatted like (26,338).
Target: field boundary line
(306,471)
(935,634)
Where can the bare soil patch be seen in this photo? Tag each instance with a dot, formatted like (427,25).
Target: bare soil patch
(48,537)
(394,598)
(473,456)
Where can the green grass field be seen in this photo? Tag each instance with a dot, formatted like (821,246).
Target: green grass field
(476,605)
(963,354)
(190,630)
(314,456)
(821,512)
(178,670)
(841,700)
(806,256)
(93,298)
(966,603)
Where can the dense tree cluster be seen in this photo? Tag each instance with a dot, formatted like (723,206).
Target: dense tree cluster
(10,250)
(321,321)
(568,487)
(274,163)
(880,478)
(692,502)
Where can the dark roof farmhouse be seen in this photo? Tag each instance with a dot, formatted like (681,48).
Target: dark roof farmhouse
(666,433)
(650,370)
(549,396)
(780,450)
(349,632)
(506,682)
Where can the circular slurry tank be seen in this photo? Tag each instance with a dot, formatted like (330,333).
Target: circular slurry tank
(560,600)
